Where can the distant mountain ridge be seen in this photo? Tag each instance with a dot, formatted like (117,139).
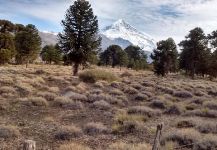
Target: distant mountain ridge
(119,33)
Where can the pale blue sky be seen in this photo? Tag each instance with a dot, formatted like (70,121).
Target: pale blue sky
(158,18)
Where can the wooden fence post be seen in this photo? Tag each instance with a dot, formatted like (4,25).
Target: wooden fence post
(156,145)
(29,145)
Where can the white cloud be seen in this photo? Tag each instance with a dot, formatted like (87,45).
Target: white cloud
(159,18)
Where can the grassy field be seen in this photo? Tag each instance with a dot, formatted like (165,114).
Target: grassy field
(112,109)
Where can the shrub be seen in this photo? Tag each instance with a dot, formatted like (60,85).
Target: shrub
(174,110)
(47,95)
(7,89)
(68,132)
(8,132)
(187,123)
(158,104)
(65,102)
(126,74)
(73,146)
(76,96)
(141,97)
(94,128)
(165,89)
(144,111)
(202,113)
(211,104)
(182,137)
(209,142)
(207,127)
(91,76)
(130,90)
(183,94)
(125,146)
(38,101)
(103,105)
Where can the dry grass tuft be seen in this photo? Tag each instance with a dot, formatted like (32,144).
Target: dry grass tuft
(68,133)
(103,105)
(143,110)
(94,128)
(209,142)
(125,146)
(38,101)
(65,102)
(47,95)
(183,94)
(92,76)
(7,132)
(73,146)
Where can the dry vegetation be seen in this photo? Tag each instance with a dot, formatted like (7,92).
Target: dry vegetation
(118,110)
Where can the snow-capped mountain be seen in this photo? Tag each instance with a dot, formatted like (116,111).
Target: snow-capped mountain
(119,33)
(123,34)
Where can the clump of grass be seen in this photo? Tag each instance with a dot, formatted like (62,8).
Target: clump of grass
(202,113)
(125,146)
(186,123)
(126,123)
(94,128)
(175,110)
(73,146)
(207,127)
(182,137)
(38,101)
(92,76)
(211,104)
(159,104)
(7,132)
(166,90)
(183,94)
(209,142)
(65,102)
(126,74)
(7,89)
(68,132)
(144,111)
(141,97)
(103,105)
(47,95)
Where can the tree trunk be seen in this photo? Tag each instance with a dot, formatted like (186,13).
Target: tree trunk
(29,145)
(75,69)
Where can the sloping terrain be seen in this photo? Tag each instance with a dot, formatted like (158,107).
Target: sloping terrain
(58,111)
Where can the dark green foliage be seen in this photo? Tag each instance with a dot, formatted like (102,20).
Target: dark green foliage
(114,56)
(213,59)
(5,56)
(194,58)
(7,47)
(137,57)
(6,26)
(28,44)
(80,36)
(51,53)
(165,57)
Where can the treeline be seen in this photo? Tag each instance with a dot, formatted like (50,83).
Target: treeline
(18,43)
(131,57)
(198,55)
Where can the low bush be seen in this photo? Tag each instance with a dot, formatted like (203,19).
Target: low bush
(92,76)
(182,137)
(38,101)
(210,104)
(186,123)
(65,102)
(209,142)
(158,104)
(8,132)
(103,105)
(141,97)
(202,113)
(94,128)
(144,111)
(125,146)
(174,110)
(47,95)
(183,94)
(73,146)
(207,127)
(68,132)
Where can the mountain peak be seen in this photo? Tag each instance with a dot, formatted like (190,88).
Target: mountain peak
(122,30)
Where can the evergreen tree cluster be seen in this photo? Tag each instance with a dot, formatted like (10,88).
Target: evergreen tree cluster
(131,57)
(18,43)
(198,55)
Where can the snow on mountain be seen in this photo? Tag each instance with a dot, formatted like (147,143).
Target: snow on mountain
(48,38)
(121,31)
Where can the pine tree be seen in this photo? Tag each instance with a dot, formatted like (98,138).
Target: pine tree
(165,57)
(51,53)
(213,59)
(136,57)
(27,44)
(195,53)
(7,47)
(80,36)
(6,26)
